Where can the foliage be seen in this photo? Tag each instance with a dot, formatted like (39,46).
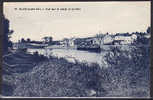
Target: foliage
(127,75)
(6,42)
(129,71)
(148,30)
(28,40)
(23,40)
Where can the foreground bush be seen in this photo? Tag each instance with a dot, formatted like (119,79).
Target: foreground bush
(127,75)
(129,71)
(57,77)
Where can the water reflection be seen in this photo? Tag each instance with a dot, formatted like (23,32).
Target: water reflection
(70,55)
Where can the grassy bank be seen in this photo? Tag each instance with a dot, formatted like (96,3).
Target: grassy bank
(127,75)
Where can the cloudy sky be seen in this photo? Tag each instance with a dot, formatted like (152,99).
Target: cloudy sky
(93,17)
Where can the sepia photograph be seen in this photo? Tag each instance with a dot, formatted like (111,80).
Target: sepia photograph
(76,49)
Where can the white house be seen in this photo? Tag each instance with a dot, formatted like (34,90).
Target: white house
(71,42)
(107,39)
(126,39)
(67,42)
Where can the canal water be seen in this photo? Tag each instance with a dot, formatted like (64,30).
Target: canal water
(71,55)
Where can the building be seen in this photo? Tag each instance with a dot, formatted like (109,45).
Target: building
(126,39)
(47,39)
(67,42)
(105,40)
(71,42)
(108,39)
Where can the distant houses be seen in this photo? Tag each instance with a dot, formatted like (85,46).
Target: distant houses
(89,42)
(108,39)
(47,39)
(124,40)
(103,40)
(68,42)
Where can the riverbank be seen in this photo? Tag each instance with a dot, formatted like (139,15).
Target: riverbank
(56,77)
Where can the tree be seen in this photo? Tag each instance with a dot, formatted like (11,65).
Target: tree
(45,39)
(6,36)
(50,39)
(148,30)
(28,40)
(22,40)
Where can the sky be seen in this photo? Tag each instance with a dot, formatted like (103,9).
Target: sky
(91,18)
